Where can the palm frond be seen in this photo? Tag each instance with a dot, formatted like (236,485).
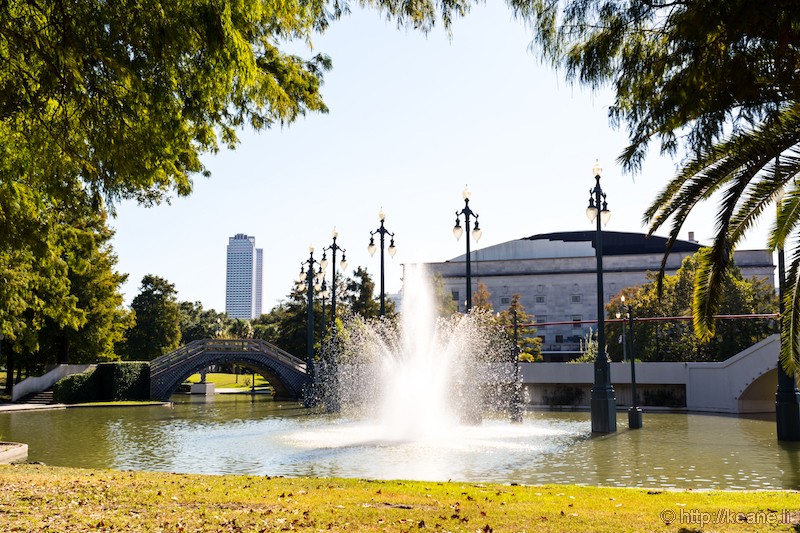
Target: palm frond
(790,321)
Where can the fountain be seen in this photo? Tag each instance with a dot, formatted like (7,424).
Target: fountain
(424,374)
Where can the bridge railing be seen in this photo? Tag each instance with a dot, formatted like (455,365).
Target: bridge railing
(167,362)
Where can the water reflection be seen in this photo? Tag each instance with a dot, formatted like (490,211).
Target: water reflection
(239,435)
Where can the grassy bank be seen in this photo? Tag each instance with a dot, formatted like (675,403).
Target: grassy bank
(230,381)
(40,498)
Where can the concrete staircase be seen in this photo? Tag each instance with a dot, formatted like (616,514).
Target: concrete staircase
(44,397)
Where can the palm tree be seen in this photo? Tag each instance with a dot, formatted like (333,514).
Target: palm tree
(751,169)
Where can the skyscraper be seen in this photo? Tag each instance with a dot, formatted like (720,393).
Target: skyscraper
(244,277)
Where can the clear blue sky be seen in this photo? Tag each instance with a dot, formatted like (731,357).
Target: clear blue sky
(413,118)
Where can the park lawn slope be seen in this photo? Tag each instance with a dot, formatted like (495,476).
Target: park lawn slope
(41,498)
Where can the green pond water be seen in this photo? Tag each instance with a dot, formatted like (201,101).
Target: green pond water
(235,434)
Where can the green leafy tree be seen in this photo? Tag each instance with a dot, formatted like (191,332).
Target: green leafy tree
(97,289)
(158,320)
(445,305)
(198,323)
(676,340)
(482,299)
(717,80)
(36,289)
(241,329)
(529,344)
(360,298)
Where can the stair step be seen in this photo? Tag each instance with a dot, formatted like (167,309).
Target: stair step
(38,398)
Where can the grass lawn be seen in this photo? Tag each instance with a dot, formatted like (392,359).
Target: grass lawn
(41,498)
(230,381)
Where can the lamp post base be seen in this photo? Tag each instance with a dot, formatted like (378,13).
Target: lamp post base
(604,413)
(787,416)
(634,418)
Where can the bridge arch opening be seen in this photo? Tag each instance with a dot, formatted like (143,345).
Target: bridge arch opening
(281,391)
(759,396)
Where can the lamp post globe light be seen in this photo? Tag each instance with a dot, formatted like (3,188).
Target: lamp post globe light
(343,266)
(604,402)
(634,412)
(382,231)
(458,231)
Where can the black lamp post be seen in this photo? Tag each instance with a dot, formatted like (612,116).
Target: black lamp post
(382,231)
(604,402)
(324,293)
(787,397)
(324,263)
(476,233)
(516,408)
(634,412)
(312,282)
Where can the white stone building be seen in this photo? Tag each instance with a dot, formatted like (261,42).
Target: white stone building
(556,276)
(243,285)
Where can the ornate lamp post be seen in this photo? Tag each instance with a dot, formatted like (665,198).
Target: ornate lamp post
(787,397)
(312,281)
(604,402)
(476,234)
(382,231)
(324,264)
(634,412)
(516,399)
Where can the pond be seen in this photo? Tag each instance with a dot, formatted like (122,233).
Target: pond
(240,434)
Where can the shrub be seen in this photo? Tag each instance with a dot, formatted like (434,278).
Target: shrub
(107,382)
(128,380)
(77,388)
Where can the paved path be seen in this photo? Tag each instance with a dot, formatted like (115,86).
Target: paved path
(11,407)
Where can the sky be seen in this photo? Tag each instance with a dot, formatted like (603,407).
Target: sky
(413,119)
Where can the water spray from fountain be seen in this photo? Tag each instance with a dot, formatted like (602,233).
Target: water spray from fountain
(422,374)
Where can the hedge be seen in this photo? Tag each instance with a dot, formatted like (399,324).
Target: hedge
(76,388)
(116,381)
(123,381)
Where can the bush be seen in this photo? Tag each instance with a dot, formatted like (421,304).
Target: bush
(123,381)
(116,381)
(77,388)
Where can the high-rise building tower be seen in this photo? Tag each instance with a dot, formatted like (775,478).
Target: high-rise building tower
(244,277)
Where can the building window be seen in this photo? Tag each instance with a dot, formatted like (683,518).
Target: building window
(576,321)
(455,295)
(540,299)
(576,298)
(505,300)
(559,338)
(541,318)
(542,337)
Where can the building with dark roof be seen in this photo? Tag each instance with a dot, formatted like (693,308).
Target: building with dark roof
(556,276)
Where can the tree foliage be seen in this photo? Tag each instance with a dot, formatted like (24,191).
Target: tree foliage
(675,340)
(359,295)
(445,304)
(529,344)
(716,79)
(198,323)
(482,298)
(158,320)
(60,297)
(96,287)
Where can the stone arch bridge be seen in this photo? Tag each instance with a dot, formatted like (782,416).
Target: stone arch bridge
(284,372)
